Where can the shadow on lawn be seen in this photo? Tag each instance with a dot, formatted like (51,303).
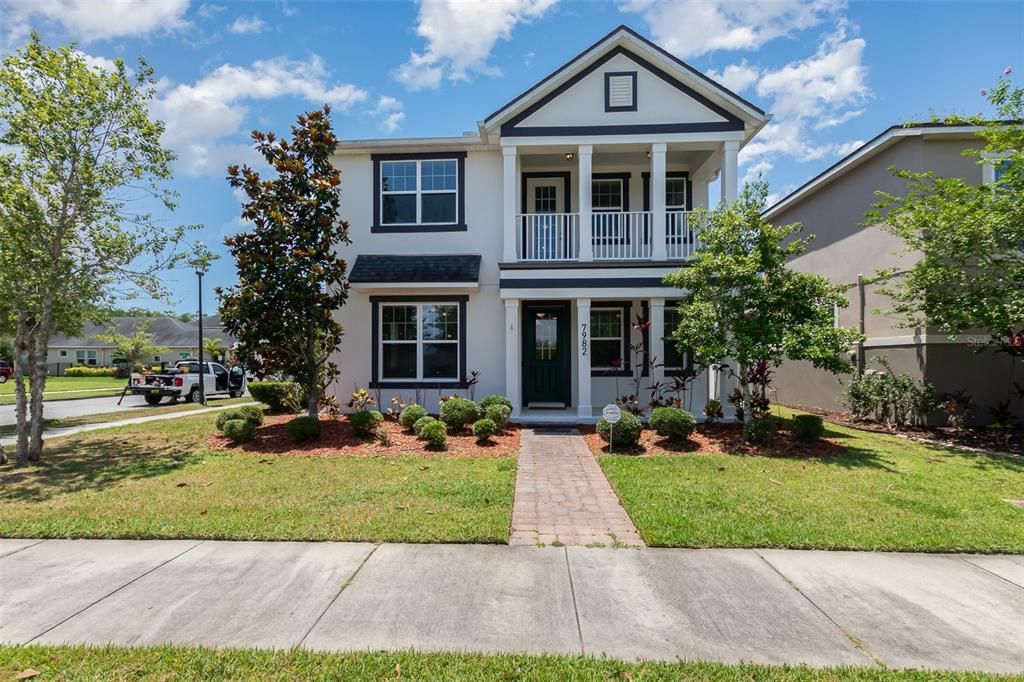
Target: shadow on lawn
(94,465)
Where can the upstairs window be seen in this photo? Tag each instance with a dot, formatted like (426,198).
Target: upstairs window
(423,193)
(606,195)
(675,194)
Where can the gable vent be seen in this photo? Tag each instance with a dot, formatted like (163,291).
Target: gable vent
(620,91)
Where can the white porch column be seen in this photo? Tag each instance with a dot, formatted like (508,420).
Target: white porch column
(584,408)
(508,154)
(659,250)
(730,163)
(513,355)
(657,346)
(584,156)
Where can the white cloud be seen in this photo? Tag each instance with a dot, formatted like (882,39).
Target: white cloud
(460,36)
(209,11)
(88,20)
(690,28)
(387,103)
(246,25)
(199,116)
(837,120)
(97,62)
(390,112)
(833,78)
(392,122)
(736,77)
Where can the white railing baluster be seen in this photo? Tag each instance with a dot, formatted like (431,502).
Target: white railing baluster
(547,236)
(615,236)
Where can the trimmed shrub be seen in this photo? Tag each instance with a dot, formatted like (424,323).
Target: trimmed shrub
(411,414)
(417,428)
(499,414)
(250,413)
(279,396)
(90,371)
(483,429)
(435,433)
(673,423)
(759,431)
(626,432)
(458,413)
(366,422)
(807,428)
(304,428)
(496,400)
(239,430)
(383,435)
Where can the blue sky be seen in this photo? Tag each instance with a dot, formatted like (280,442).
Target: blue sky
(833,73)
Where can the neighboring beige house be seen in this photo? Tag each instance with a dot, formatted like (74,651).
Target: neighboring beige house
(180,339)
(832,206)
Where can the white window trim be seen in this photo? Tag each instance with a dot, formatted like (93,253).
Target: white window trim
(672,208)
(419,192)
(988,167)
(418,342)
(622,196)
(620,339)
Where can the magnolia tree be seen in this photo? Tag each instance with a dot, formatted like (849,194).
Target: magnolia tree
(291,280)
(742,301)
(970,273)
(79,155)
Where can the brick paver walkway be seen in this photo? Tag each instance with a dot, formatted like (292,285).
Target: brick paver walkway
(563,496)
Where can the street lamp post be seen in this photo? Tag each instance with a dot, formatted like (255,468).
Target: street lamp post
(202,368)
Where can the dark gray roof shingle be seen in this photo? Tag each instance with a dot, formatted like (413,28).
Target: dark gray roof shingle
(166,331)
(376,269)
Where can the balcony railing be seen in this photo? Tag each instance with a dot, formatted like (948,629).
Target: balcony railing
(554,237)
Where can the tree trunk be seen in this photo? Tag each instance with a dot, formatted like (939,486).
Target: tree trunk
(312,378)
(41,344)
(23,357)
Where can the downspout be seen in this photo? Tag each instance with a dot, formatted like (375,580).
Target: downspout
(860,324)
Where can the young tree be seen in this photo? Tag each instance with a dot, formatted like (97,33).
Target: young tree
(291,280)
(214,348)
(742,301)
(134,347)
(78,152)
(969,236)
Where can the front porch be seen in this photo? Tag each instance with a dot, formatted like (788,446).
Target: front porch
(569,356)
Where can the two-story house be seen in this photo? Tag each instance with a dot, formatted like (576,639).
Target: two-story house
(526,250)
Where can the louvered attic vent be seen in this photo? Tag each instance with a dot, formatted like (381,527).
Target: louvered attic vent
(620,91)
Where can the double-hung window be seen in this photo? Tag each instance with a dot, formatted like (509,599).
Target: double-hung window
(673,359)
(675,194)
(419,342)
(85,357)
(419,192)
(606,195)
(607,338)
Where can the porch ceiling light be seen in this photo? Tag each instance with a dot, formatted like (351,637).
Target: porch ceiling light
(569,156)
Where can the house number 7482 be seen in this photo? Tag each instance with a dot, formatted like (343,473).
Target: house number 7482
(584,346)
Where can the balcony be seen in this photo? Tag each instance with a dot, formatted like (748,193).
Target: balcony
(614,236)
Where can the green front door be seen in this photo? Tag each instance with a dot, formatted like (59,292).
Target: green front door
(546,374)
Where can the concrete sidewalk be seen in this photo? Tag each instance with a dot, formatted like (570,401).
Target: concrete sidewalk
(766,606)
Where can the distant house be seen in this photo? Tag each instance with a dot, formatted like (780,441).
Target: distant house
(180,339)
(832,206)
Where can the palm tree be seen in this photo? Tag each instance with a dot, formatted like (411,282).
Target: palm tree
(214,348)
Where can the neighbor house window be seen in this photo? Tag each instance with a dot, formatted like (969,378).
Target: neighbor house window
(63,353)
(85,357)
(419,341)
(607,338)
(419,192)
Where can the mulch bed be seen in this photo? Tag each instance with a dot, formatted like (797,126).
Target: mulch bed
(717,439)
(977,438)
(338,440)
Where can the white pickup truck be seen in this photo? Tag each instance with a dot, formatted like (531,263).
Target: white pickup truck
(183,380)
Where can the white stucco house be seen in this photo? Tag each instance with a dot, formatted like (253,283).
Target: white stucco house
(525,250)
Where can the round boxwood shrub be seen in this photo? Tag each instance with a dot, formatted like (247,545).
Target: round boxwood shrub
(279,396)
(417,428)
(458,413)
(498,413)
(496,400)
(483,429)
(411,414)
(304,428)
(672,422)
(626,432)
(759,431)
(239,430)
(364,423)
(807,428)
(435,433)
(250,413)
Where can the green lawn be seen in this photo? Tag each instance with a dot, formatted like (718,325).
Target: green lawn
(161,480)
(145,411)
(56,387)
(192,663)
(885,493)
